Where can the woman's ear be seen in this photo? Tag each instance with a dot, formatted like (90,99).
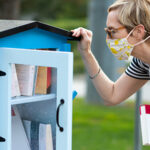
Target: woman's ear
(139,32)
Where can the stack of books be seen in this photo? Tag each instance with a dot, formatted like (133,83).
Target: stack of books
(30,135)
(145,123)
(29,80)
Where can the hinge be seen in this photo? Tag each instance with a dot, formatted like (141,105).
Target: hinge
(2,73)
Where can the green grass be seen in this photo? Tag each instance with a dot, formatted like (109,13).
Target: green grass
(97,127)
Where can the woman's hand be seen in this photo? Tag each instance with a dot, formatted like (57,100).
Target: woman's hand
(84,46)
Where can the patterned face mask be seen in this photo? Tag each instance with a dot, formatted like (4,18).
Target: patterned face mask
(121,48)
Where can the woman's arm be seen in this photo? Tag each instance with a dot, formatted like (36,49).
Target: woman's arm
(112,92)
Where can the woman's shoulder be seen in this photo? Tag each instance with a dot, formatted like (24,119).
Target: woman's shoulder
(140,63)
(138,69)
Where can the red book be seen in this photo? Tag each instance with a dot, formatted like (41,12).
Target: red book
(49,75)
(49,78)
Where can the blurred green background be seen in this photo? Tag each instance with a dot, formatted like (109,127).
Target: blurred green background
(97,127)
(70,24)
(66,14)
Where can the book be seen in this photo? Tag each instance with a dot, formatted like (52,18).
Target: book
(41,81)
(39,135)
(15,90)
(28,80)
(44,74)
(145,123)
(25,75)
(35,78)
(49,79)
(19,138)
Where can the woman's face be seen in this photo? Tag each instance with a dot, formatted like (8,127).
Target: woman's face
(113,24)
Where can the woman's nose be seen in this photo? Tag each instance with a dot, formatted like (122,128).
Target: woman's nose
(107,37)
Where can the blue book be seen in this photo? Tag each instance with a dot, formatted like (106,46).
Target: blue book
(39,135)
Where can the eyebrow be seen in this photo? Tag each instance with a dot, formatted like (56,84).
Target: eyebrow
(111,27)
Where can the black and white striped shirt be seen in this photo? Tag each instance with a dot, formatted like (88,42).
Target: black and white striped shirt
(138,69)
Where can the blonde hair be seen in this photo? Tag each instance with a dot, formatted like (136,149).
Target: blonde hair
(133,13)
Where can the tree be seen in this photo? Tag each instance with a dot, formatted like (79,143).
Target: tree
(10,9)
(39,9)
(54,9)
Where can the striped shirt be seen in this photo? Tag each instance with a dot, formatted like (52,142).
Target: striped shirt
(138,69)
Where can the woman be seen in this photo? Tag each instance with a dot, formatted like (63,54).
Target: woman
(128,33)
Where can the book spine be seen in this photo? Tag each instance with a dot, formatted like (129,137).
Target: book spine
(39,135)
(31,81)
(35,79)
(49,79)
(15,90)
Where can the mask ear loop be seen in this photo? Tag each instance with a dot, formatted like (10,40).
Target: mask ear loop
(140,41)
(130,33)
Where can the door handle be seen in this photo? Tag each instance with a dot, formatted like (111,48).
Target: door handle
(57,119)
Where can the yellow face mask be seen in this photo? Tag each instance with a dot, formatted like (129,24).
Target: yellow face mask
(121,48)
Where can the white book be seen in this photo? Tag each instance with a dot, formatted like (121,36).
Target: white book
(44,137)
(15,90)
(35,79)
(19,138)
(25,75)
(145,123)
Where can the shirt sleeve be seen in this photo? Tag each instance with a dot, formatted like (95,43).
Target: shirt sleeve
(138,69)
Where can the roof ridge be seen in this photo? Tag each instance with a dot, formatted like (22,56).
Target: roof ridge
(9,27)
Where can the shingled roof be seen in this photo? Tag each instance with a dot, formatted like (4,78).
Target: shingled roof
(10,27)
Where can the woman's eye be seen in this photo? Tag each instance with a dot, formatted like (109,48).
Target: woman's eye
(113,31)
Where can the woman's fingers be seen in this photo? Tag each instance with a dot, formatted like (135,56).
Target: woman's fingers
(85,43)
(84,34)
(77,32)
(89,33)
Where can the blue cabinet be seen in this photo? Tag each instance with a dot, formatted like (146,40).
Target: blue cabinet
(18,39)
(54,108)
